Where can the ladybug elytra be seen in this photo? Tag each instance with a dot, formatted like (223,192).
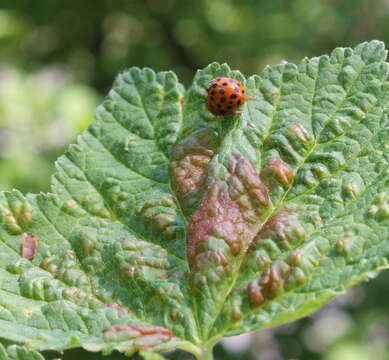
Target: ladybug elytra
(225,96)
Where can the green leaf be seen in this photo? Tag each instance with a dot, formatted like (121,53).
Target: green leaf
(14,352)
(147,355)
(109,234)
(166,227)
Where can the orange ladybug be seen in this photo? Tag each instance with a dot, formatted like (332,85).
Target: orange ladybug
(225,96)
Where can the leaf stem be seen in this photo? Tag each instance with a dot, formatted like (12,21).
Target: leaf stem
(207,353)
(207,349)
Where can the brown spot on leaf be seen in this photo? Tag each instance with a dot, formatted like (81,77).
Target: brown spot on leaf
(272,280)
(229,213)
(217,214)
(299,131)
(281,171)
(254,293)
(269,285)
(235,248)
(118,328)
(295,258)
(143,336)
(242,170)
(283,228)
(149,330)
(263,261)
(274,221)
(159,213)
(122,310)
(115,305)
(29,246)
(188,167)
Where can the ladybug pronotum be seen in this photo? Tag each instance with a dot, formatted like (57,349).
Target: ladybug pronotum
(225,96)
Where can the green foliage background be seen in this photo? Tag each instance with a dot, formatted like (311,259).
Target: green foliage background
(58,58)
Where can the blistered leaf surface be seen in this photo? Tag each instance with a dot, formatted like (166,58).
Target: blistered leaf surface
(166,227)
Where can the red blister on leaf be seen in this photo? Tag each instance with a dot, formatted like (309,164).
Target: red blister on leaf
(29,246)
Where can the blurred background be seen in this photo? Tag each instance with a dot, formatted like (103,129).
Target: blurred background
(59,58)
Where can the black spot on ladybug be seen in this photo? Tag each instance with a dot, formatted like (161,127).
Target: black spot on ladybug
(212,98)
(222,91)
(243,91)
(229,107)
(213,92)
(232,96)
(222,112)
(238,102)
(225,84)
(223,100)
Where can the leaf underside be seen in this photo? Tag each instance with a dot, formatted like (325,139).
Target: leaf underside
(166,227)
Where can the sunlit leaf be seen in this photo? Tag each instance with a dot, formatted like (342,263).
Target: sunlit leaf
(168,228)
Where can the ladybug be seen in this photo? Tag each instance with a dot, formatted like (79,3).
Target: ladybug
(225,96)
